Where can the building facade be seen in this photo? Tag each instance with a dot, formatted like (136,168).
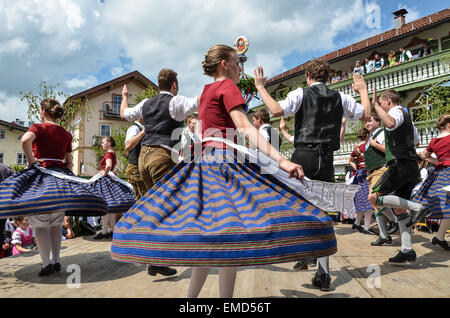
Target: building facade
(99,116)
(11,152)
(410,78)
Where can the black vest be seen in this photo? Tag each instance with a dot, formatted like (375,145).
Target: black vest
(133,154)
(158,123)
(276,136)
(374,158)
(400,142)
(319,118)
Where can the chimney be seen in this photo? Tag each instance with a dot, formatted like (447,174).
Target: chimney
(399,18)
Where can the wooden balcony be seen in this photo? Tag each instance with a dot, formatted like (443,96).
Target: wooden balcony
(409,75)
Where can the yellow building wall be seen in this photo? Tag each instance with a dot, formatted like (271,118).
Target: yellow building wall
(10,146)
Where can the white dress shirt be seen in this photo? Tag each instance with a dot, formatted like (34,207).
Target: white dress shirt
(179,107)
(293,102)
(133,131)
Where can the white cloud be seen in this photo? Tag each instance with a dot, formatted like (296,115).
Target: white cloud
(413,13)
(78,82)
(70,41)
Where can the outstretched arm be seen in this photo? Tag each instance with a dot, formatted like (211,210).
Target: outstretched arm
(360,86)
(249,131)
(272,105)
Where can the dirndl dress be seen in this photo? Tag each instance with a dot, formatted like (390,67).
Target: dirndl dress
(220,211)
(432,196)
(118,194)
(46,198)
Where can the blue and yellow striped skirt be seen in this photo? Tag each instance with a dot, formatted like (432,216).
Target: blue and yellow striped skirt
(215,213)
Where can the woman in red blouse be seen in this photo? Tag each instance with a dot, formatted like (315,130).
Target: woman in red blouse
(116,193)
(221,210)
(362,204)
(48,190)
(430,192)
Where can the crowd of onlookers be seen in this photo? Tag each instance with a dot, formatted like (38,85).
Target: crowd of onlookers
(379,62)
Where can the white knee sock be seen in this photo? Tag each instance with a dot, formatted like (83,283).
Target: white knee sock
(324,265)
(227,279)
(367,219)
(358,218)
(198,278)
(56,239)
(440,235)
(404,232)
(44,242)
(381,220)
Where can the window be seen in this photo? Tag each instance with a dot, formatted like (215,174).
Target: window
(2,157)
(22,159)
(117,100)
(2,133)
(445,42)
(105,130)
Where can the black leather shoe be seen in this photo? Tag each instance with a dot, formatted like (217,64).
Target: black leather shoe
(47,270)
(393,228)
(100,236)
(57,267)
(442,244)
(357,227)
(402,257)
(109,235)
(415,216)
(380,241)
(369,231)
(323,281)
(301,265)
(163,270)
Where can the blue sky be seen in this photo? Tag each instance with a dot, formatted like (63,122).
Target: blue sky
(83,43)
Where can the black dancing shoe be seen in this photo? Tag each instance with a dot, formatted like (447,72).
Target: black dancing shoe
(109,235)
(369,231)
(380,241)
(100,236)
(163,270)
(47,270)
(442,244)
(301,265)
(357,227)
(323,281)
(393,228)
(312,262)
(416,215)
(57,267)
(403,257)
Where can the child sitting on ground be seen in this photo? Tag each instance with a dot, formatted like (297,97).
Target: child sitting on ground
(23,240)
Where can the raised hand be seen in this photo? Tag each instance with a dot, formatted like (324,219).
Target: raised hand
(125,91)
(260,79)
(358,83)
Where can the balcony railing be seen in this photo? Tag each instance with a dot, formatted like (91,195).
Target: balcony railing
(408,75)
(425,136)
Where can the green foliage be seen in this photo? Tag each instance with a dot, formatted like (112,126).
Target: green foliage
(247,85)
(438,99)
(149,92)
(71,107)
(17,167)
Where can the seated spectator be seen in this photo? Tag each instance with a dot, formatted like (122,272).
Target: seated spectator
(405,55)
(344,76)
(358,68)
(379,62)
(336,78)
(67,231)
(369,65)
(391,58)
(425,50)
(23,240)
